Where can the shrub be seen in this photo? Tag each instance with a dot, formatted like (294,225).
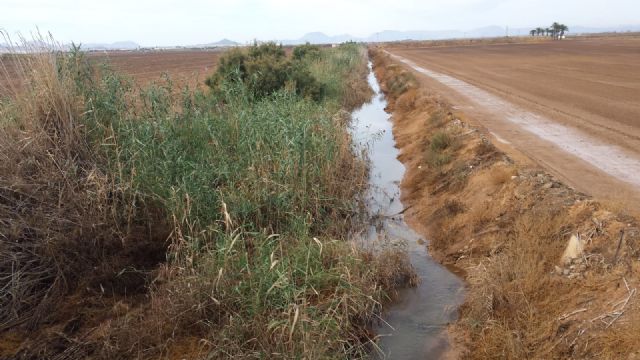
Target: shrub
(306,51)
(305,84)
(441,140)
(265,69)
(402,82)
(233,62)
(438,118)
(436,159)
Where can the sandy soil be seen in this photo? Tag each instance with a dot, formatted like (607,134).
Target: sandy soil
(184,67)
(571,106)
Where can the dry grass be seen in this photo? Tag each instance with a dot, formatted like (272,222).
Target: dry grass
(502,174)
(401,82)
(61,215)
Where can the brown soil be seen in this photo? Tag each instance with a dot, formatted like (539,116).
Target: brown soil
(189,67)
(588,84)
(184,67)
(505,224)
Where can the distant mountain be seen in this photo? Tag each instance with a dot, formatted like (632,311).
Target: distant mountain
(394,35)
(119,45)
(227,42)
(590,30)
(483,32)
(221,43)
(35,45)
(320,38)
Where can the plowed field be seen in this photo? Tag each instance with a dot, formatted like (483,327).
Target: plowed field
(572,106)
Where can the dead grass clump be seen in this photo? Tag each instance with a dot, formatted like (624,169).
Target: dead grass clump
(50,226)
(65,225)
(394,271)
(499,309)
(357,88)
(450,208)
(406,101)
(394,79)
(441,150)
(438,118)
(485,149)
(500,175)
(401,82)
(438,160)
(441,140)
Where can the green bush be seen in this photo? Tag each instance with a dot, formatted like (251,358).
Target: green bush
(306,51)
(233,62)
(265,69)
(267,50)
(306,84)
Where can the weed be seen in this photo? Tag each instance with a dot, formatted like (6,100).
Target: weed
(437,159)
(441,140)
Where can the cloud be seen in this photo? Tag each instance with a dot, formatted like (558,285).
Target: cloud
(191,21)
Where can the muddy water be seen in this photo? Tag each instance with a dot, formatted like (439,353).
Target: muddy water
(414,326)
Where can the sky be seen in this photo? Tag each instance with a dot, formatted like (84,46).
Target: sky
(185,22)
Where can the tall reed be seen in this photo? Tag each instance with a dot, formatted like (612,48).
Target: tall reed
(248,201)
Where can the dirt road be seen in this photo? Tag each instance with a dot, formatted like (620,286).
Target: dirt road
(571,106)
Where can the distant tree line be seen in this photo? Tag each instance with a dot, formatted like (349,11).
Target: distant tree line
(556,30)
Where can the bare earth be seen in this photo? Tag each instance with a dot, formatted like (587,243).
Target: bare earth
(184,67)
(572,106)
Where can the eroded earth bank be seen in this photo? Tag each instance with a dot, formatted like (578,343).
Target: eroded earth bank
(550,272)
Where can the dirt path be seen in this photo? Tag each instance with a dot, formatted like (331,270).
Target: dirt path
(573,138)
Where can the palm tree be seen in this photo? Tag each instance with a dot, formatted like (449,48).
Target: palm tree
(562,28)
(532,32)
(539,31)
(555,27)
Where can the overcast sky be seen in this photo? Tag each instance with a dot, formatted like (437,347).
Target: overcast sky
(182,22)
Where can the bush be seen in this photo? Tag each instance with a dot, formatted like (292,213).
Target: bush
(233,62)
(306,51)
(438,159)
(265,69)
(305,84)
(441,140)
